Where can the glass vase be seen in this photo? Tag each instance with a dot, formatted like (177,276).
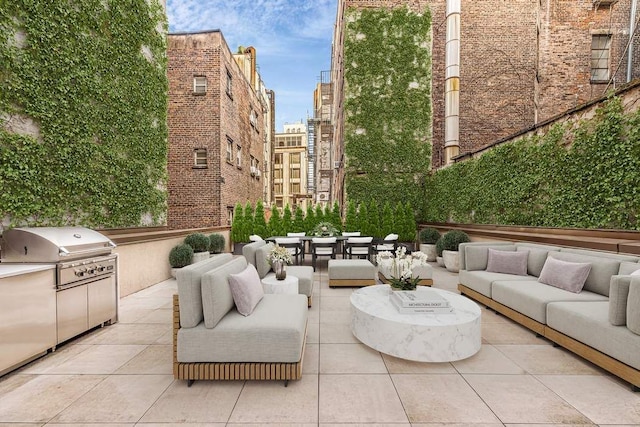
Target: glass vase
(280,268)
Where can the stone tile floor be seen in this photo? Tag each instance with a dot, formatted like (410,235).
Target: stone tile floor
(121,375)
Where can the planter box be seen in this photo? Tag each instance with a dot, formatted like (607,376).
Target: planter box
(429,250)
(199,256)
(451,260)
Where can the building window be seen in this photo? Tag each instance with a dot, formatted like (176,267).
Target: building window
(600,48)
(199,85)
(277,174)
(277,158)
(229,150)
(277,188)
(229,215)
(253,118)
(239,157)
(294,173)
(200,158)
(294,158)
(295,188)
(229,84)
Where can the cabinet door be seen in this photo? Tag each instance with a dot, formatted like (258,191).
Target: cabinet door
(102,301)
(72,312)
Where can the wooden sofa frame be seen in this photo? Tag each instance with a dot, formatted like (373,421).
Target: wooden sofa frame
(230,370)
(608,363)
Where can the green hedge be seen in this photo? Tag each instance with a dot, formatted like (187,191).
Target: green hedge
(387,104)
(587,176)
(79,71)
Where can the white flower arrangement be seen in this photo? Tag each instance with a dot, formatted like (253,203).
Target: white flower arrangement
(279,253)
(401,267)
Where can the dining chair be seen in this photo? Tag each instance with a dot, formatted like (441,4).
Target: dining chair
(293,245)
(323,246)
(359,246)
(389,243)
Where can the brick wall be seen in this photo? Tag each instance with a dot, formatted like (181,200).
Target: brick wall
(198,197)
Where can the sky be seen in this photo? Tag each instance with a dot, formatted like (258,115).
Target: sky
(292,40)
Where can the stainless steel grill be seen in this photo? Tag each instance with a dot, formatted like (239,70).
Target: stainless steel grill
(86,272)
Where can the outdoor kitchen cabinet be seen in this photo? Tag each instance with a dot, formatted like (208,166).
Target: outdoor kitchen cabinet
(27,313)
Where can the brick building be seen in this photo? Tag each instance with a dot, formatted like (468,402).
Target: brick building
(290,167)
(521,63)
(219,120)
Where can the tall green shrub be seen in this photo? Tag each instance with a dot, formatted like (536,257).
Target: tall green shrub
(248,220)
(388,222)
(351,220)
(275,222)
(319,214)
(237,226)
(309,219)
(374,219)
(298,220)
(363,220)
(259,221)
(336,218)
(287,220)
(410,228)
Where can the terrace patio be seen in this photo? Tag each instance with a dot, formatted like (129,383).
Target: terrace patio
(122,375)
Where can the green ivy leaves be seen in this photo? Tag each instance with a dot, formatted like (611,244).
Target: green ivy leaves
(91,76)
(588,177)
(387,107)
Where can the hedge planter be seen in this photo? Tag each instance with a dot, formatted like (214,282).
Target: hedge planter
(429,250)
(440,261)
(200,256)
(451,260)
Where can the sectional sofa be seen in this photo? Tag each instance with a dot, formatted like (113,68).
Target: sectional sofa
(215,338)
(586,301)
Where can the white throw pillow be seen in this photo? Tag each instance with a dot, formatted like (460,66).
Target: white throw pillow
(569,276)
(246,289)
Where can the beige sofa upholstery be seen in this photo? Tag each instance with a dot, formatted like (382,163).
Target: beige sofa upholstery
(212,341)
(590,323)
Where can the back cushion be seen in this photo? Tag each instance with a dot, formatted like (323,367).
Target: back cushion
(602,269)
(189,288)
(627,268)
(262,260)
(599,254)
(249,251)
(217,298)
(476,257)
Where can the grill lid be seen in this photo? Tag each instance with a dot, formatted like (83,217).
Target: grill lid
(53,244)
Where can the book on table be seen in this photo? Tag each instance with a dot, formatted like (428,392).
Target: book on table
(425,298)
(420,310)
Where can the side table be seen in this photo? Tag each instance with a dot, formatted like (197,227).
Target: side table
(271,285)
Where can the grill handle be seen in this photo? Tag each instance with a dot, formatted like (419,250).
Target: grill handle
(64,252)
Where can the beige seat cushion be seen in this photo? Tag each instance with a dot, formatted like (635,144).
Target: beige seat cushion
(351,269)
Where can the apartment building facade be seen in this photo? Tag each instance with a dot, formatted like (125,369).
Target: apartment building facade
(519,63)
(290,167)
(324,163)
(219,121)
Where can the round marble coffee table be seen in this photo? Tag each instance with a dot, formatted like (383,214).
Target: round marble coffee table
(271,285)
(423,337)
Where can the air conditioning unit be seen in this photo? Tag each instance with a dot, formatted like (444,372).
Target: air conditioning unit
(258,173)
(337,165)
(254,171)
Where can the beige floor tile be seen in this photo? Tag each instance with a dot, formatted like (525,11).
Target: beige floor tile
(359,399)
(440,399)
(600,398)
(350,359)
(510,333)
(365,425)
(311,363)
(313,333)
(40,399)
(462,425)
(272,402)
(340,317)
(489,360)
(13,381)
(154,359)
(272,424)
(550,425)
(122,333)
(545,359)
(132,314)
(21,424)
(97,360)
(161,315)
(181,424)
(131,395)
(55,358)
(203,402)
(490,316)
(336,333)
(90,425)
(165,339)
(401,366)
(334,303)
(131,302)
(523,399)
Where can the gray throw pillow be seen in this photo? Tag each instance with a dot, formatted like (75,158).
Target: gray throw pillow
(508,262)
(569,276)
(633,306)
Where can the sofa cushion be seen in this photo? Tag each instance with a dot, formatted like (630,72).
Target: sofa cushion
(618,295)
(480,281)
(477,257)
(569,276)
(246,289)
(261,258)
(601,254)
(275,332)
(217,299)
(304,273)
(628,268)
(602,268)
(588,322)
(531,297)
(633,306)
(507,262)
(537,256)
(249,251)
(189,280)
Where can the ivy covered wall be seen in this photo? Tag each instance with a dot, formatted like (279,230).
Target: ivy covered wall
(584,175)
(83,102)
(387,104)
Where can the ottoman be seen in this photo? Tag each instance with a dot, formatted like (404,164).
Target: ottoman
(351,272)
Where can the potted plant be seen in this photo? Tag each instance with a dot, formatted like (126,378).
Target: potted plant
(451,241)
(239,236)
(439,249)
(428,237)
(278,258)
(200,245)
(180,256)
(325,229)
(399,269)
(216,243)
